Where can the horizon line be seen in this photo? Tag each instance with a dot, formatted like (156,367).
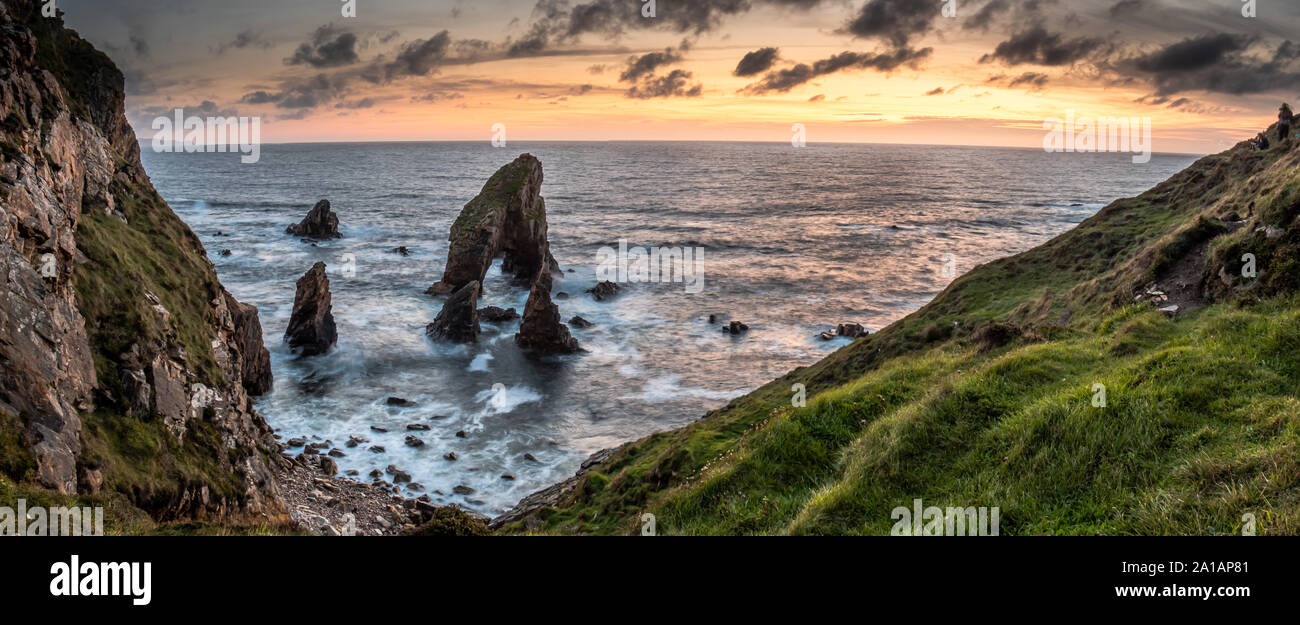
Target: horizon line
(577,141)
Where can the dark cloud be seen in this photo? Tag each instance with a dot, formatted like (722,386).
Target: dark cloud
(419,57)
(139,45)
(243,40)
(646,64)
(1192,54)
(560,22)
(782,81)
(675,84)
(1033,80)
(984,17)
(935,91)
(328,48)
(1126,7)
(756,62)
(896,22)
(1219,63)
(1037,46)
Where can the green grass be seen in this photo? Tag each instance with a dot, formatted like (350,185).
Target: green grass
(984,397)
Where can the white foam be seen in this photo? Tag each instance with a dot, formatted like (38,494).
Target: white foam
(480,362)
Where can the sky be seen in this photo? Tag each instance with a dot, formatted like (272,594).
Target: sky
(949,72)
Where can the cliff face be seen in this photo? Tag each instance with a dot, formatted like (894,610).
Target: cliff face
(123,361)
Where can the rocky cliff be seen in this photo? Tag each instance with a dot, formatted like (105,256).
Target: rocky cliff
(125,366)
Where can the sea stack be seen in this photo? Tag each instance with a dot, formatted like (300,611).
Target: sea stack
(311,327)
(507,218)
(458,321)
(542,331)
(320,223)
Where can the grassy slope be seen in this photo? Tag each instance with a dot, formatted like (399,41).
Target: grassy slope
(984,396)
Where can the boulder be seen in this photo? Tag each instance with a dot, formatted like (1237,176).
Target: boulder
(254,358)
(457,322)
(579,322)
(541,330)
(850,330)
(320,223)
(493,314)
(735,327)
(508,219)
(311,328)
(603,290)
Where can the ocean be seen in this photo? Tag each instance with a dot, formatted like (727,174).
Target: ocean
(794,241)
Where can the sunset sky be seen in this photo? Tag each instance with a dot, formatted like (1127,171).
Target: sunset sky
(890,71)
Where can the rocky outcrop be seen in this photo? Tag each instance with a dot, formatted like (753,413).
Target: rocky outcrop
(494,314)
(320,223)
(115,334)
(311,328)
(254,358)
(541,330)
(603,290)
(457,322)
(507,219)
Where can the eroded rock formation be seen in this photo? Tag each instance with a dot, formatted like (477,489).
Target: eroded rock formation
(541,330)
(320,223)
(311,328)
(458,320)
(508,219)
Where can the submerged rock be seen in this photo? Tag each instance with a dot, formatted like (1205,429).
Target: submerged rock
(457,322)
(311,328)
(541,329)
(579,322)
(735,327)
(320,223)
(507,218)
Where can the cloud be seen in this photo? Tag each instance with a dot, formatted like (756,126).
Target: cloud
(1126,7)
(675,84)
(935,91)
(328,48)
(896,22)
(245,39)
(559,22)
(756,62)
(1037,46)
(416,58)
(1033,80)
(139,45)
(984,17)
(646,64)
(782,81)
(1220,63)
(1192,54)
